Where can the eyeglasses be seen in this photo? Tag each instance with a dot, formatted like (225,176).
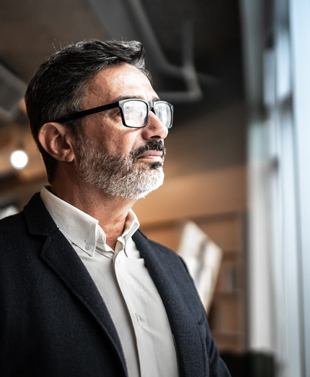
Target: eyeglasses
(134,112)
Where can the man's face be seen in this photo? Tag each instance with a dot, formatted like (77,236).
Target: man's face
(119,160)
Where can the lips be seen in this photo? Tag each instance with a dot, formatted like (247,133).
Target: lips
(151,154)
(152,150)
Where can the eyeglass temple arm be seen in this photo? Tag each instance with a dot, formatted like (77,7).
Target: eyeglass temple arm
(80,114)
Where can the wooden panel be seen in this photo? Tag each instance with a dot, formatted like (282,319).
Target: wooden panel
(223,230)
(166,234)
(229,342)
(224,314)
(196,195)
(229,277)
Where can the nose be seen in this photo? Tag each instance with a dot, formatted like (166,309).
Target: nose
(154,129)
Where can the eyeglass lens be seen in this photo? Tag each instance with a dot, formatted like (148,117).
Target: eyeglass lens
(163,112)
(136,112)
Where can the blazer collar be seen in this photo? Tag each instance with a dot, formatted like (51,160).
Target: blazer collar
(60,256)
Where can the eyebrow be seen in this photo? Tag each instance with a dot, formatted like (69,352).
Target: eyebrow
(120,98)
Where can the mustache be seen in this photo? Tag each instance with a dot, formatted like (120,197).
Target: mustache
(153,145)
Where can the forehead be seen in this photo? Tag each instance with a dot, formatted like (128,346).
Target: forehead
(112,83)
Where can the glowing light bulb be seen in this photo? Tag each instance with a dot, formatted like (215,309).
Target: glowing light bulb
(19,159)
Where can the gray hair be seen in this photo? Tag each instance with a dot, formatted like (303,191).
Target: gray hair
(59,83)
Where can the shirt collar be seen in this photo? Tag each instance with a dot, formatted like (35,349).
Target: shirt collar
(81,228)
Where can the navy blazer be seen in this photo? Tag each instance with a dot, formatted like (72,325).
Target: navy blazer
(53,321)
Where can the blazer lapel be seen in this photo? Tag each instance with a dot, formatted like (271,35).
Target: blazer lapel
(191,352)
(60,256)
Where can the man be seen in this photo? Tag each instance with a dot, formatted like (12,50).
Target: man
(83,292)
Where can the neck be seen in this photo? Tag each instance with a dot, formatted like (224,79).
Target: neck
(110,211)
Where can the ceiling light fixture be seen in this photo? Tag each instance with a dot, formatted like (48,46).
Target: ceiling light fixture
(19,159)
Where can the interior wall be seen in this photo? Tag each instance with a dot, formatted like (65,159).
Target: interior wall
(213,141)
(204,168)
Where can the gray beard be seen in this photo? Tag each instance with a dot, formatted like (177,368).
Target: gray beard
(118,175)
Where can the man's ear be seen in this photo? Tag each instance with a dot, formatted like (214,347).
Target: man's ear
(57,141)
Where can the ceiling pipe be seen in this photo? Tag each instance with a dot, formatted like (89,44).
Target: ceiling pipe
(12,90)
(187,71)
(118,30)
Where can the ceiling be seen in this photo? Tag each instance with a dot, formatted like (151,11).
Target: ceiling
(192,49)
(31,30)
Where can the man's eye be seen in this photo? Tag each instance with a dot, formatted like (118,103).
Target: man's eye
(115,113)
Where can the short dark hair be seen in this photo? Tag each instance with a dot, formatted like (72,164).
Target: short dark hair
(58,84)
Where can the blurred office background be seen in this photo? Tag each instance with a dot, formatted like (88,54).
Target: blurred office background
(238,157)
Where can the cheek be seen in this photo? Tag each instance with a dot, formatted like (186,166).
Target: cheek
(116,145)
(125,142)
(116,139)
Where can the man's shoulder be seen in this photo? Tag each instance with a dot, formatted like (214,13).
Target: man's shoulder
(14,229)
(14,222)
(11,224)
(13,239)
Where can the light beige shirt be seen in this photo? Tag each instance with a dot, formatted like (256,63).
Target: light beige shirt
(125,286)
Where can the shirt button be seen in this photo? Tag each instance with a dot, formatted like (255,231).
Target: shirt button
(88,246)
(138,318)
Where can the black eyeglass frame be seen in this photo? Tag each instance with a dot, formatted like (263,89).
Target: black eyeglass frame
(120,104)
